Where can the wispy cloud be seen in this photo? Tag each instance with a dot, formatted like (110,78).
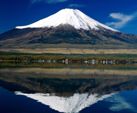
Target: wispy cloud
(119,104)
(121,19)
(76,5)
(48,1)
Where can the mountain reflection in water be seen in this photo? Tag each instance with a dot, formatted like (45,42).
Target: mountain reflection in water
(68,90)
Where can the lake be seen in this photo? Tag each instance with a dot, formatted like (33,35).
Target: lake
(69,89)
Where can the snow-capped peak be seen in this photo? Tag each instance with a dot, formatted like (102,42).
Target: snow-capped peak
(72,17)
(73,104)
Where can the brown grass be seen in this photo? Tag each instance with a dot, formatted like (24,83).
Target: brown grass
(74,51)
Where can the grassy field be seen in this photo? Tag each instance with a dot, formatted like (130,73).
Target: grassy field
(73,51)
(55,54)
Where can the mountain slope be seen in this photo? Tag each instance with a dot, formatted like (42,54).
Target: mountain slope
(73,104)
(67,27)
(72,17)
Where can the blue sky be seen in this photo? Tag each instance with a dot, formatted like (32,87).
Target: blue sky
(119,14)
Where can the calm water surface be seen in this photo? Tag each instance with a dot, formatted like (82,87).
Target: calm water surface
(68,90)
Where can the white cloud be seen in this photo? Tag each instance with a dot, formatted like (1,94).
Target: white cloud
(119,104)
(121,19)
(76,5)
(49,1)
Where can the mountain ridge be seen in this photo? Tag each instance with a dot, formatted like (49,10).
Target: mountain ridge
(73,17)
(96,35)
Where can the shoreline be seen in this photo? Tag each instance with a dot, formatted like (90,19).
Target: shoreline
(71,51)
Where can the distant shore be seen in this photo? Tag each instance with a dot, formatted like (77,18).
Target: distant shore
(71,51)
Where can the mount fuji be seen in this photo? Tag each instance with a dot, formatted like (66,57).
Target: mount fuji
(73,104)
(67,28)
(72,17)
